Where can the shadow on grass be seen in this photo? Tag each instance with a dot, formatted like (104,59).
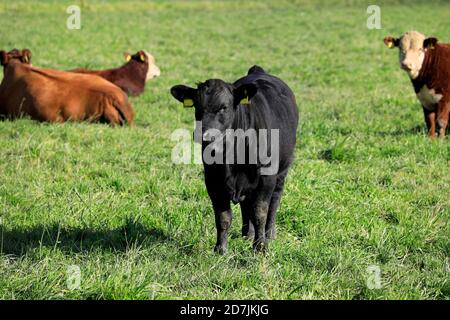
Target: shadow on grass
(419,129)
(338,153)
(19,241)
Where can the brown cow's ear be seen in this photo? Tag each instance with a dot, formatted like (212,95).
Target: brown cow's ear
(430,43)
(26,54)
(127,56)
(184,94)
(3,58)
(391,42)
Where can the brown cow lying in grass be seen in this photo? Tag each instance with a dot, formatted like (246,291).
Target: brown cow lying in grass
(58,96)
(428,65)
(132,76)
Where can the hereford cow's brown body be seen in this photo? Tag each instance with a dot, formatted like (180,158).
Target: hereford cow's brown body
(57,96)
(132,76)
(432,87)
(131,81)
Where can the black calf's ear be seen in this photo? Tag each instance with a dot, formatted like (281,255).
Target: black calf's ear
(244,93)
(26,55)
(184,94)
(3,58)
(391,42)
(430,43)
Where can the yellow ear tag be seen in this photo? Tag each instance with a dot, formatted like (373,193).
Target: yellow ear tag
(188,103)
(390,45)
(128,58)
(142,57)
(245,101)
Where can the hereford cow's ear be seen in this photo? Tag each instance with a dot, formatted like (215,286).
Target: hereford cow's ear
(391,42)
(26,54)
(3,58)
(244,93)
(142,55)
(127,56)
(430,43)
(184,94)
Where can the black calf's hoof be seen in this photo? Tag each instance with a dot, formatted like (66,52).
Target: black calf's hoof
(220,249)
(260,247)
(271,234)
(248,235)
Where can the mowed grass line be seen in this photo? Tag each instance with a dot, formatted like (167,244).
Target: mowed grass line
(368,188)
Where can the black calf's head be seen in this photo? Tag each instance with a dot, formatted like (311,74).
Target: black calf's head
(215,102)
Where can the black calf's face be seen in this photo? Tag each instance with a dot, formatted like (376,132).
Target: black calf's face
(215,106)
(215,103)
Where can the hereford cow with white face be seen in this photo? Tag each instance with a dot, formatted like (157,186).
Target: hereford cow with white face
(427,63)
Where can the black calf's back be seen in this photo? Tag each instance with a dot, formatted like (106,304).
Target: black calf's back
(273,107)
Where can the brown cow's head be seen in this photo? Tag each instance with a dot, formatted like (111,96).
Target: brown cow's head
(412,47)
(144,58)
(23,56)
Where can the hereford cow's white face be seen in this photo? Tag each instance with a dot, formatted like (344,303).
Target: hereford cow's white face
(153,70)
(142,57)
(412,53)
(412,47)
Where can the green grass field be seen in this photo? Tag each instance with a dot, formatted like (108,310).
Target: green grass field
(368,189)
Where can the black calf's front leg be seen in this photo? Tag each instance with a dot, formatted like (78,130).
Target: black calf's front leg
(248,231)
(271,232)
(223,224)
(259,220)
(260,212)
